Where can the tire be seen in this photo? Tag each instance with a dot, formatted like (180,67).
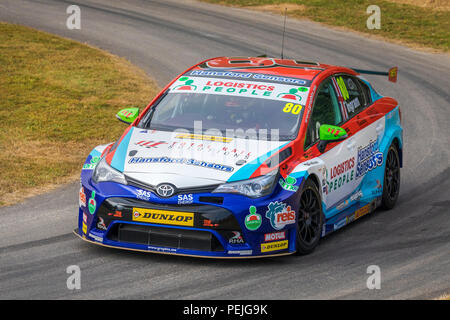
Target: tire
(391,185)
(310,219)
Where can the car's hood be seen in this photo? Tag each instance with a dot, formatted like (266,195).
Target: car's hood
(189,160)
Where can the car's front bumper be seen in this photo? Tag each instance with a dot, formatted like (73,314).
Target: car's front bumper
(114,215)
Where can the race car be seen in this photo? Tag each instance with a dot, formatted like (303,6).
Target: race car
(244,157)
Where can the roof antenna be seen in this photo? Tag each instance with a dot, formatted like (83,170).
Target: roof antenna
(284,30)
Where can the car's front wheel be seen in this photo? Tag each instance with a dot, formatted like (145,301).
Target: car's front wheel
(310,218)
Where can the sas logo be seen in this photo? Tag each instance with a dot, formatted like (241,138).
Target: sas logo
(185,198)
(163,217)
(280,215)
(273,246)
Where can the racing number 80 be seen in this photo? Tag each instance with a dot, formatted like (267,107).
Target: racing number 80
(292,108)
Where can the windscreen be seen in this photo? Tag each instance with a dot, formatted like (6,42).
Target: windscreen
(231,108)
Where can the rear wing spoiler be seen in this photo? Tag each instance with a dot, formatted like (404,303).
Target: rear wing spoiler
(392,73)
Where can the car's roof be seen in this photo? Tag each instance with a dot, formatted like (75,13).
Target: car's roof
(271,66)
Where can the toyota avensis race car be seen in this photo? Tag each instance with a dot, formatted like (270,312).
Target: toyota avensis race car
(244,157)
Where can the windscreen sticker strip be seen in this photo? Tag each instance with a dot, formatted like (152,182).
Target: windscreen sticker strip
(242,88)
(260,77)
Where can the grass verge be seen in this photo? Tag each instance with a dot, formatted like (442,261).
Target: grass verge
(424,26)
(58,99)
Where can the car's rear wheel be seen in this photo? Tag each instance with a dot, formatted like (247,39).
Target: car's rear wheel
(391,186)
(310,218)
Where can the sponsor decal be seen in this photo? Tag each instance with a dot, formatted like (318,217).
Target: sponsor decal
(350,218)
(191,162)
(340,224)
(101,224)
(369,157)
(208,223)
(292,94)
(211,148)
(117,214)
(343,88)
(95,237)
(340,174)
(185,198)
(91,165)
(352,105)
(162,249)
(163,217)
(289,184)
(362,211)
(92,205)
(275,236)
(150,144)
(142,194)
(84,228)
(253,220)
(273,246)
(202,137)
(238,87)
(82,198)
(84,217)
(356,196)
(280,215)
(342,205)
(246,75)
(236,238)
(240,252)
(310,163)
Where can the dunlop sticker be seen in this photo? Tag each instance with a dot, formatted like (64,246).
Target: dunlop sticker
(163,217)
(273,246)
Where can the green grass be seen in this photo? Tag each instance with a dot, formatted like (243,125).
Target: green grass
(409,24)
(58,99)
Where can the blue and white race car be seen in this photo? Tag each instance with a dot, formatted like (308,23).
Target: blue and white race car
(244,157)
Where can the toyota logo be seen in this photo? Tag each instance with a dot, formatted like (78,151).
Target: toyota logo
(165,190)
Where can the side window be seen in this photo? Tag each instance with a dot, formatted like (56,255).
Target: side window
(355,99)
(325,111)
(366,92)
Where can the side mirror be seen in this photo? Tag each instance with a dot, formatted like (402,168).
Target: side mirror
(128,115)
(329,133)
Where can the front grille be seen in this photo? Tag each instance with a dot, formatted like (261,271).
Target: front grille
(139,184)
(164,237)
(206,216)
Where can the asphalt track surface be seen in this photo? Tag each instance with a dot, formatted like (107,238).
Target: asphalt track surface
(410,244)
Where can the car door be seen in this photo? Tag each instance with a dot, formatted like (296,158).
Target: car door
(364,133)
(339,158)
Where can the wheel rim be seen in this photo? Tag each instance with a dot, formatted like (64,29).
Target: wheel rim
(392,175)
(309,217)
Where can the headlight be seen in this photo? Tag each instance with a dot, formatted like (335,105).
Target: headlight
(253,188)
(104,172)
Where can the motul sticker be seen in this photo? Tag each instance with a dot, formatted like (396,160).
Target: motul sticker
(275,236)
